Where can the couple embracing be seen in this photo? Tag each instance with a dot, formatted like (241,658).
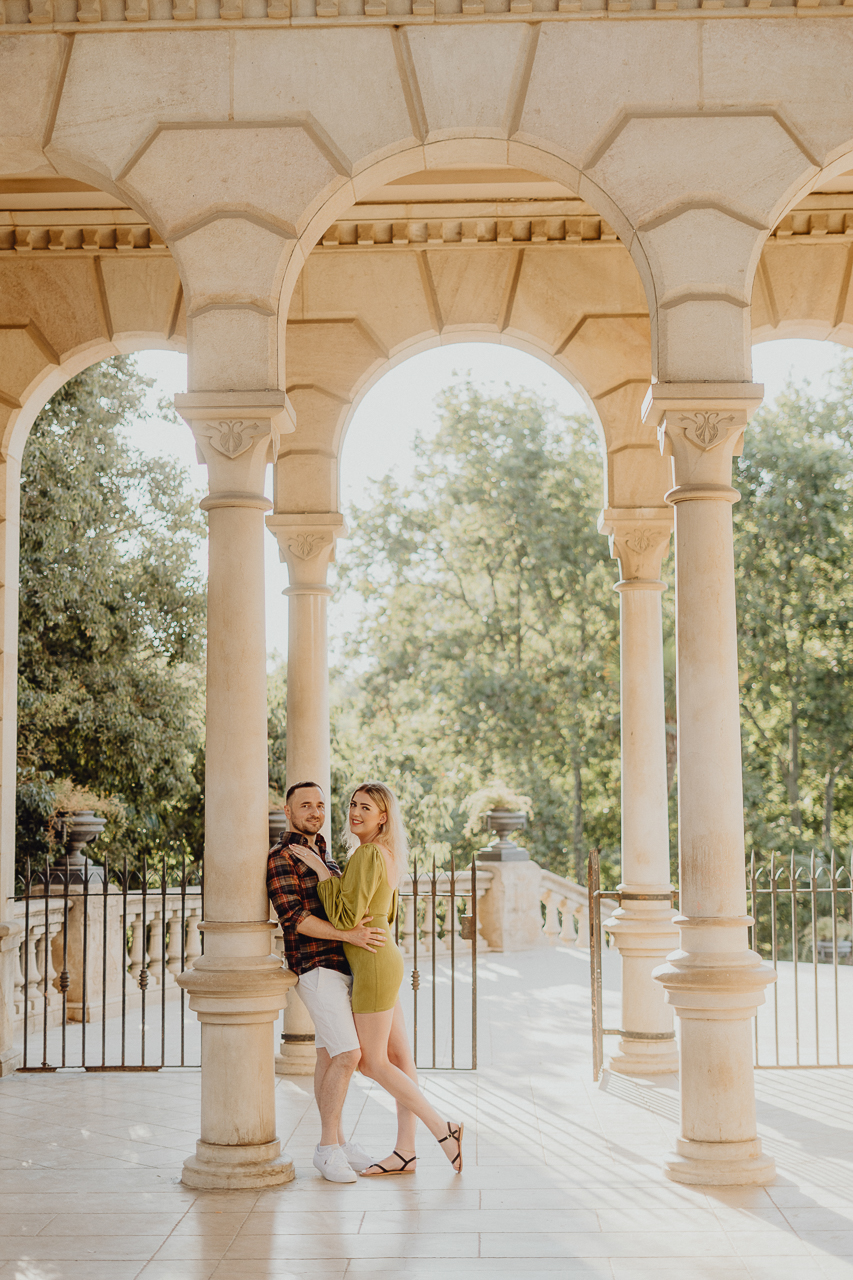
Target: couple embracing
(338,940)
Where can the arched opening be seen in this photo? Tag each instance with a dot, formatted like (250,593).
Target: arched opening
(441,254)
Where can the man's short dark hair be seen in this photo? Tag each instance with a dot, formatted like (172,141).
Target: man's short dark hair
(297,786)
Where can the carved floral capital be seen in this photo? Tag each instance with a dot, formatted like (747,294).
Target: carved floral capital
(233,436)
(700,426)
(639,538)
(306,543)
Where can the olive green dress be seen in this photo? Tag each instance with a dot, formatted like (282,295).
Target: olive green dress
(365,890)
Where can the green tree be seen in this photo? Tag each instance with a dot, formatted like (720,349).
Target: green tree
(489,640)
(793,530)
(111,620)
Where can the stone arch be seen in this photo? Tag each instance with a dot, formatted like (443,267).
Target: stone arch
(451,151)
(357,309)
(802,283)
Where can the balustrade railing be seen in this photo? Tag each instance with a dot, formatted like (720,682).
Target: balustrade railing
(105,946)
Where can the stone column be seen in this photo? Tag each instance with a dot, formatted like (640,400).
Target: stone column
(642,924)
(238,986)
(714,981)
(11,930)
(307,546)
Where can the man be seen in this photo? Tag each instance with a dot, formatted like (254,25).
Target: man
(314,951)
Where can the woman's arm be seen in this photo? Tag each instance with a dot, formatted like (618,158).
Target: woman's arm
(346,900)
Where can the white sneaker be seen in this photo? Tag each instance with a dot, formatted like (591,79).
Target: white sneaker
(332,1163)
(356,1157)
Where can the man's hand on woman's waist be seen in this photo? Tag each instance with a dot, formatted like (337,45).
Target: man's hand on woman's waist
(360,936)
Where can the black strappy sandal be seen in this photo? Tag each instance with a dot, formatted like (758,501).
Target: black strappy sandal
(404,1168)
(456,1135)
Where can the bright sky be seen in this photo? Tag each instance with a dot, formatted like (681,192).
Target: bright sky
(402,404)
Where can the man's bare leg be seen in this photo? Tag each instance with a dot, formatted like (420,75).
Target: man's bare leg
(331,1081)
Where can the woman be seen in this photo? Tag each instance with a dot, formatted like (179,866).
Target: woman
(368,887)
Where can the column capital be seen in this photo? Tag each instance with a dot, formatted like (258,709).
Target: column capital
(700,426)
(236,433)
(639,537)
(306,544)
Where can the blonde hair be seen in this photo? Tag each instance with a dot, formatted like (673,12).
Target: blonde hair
(393,833)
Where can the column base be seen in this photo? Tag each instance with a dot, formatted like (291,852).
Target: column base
(221,1168)
(645,1058)
(720,1164)
(10,1060)
(296,1059)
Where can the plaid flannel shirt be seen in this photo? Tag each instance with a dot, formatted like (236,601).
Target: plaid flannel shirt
(292,889)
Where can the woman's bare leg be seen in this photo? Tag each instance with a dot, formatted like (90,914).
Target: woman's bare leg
(400,1055)
(374,1031)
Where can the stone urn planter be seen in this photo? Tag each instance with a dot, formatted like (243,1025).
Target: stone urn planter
(502,848)
(79,829)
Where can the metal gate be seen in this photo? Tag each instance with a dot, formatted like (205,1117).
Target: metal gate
(801,909)
(103,945)
(101,948)
(439,942)
(801,913)
(596,894)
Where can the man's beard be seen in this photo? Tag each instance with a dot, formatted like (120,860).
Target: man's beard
(305,831)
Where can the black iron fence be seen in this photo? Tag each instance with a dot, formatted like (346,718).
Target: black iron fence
(100,951)
(802,910)
(436,929)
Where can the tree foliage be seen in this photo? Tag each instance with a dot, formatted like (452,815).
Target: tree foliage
(111,619)
(793,530)
(488,645)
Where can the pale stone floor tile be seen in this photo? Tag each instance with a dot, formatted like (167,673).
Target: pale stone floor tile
(831,1268)
(784,1269)
(342,1246)
(485,1221)
(813,1218)
(73,1248)
(767,1244)
(185,1269)
(287,1222)
(652,1218)
(830,1242)
(484,1268)
(108,1224)
(625,1244)
(542,1147)
(679,1269)
(23,1224)
(50,1202)
(218,1221)
(30,1269)
(275,1269)
(757,1216)
(212,1245)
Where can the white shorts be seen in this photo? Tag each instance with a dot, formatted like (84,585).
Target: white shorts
(327,995)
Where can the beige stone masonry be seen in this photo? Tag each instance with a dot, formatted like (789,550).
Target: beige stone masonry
(42,15)
(238,987)
(714,981)
(307,546)
(643,922)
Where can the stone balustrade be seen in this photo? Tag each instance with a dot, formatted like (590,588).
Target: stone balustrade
(52,944)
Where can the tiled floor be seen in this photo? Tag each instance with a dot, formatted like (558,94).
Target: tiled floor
(561,1176)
